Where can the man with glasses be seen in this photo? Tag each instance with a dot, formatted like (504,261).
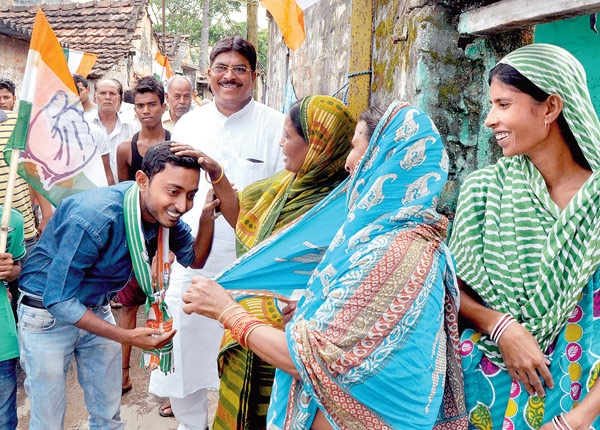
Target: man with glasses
(243,135)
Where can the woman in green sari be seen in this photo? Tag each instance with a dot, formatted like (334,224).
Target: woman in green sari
(315,142)
(526,239)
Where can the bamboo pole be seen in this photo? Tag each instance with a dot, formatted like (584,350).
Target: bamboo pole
(8,199)
(359,90)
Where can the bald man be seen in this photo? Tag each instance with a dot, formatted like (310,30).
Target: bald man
(178,96)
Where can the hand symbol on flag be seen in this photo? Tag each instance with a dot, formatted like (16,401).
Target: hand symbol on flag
(60,140)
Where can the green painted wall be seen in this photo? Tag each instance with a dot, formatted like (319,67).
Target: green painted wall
(576,37)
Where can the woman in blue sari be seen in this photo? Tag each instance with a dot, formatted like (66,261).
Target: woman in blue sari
(374,340)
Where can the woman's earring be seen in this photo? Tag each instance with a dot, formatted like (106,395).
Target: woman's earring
(547,125)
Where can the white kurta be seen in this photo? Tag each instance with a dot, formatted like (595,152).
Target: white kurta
(247,146)
(123,130)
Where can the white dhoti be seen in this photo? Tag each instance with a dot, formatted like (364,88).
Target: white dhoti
(195,349)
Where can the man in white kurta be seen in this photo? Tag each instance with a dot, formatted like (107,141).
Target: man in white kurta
(242,135)
(108,118)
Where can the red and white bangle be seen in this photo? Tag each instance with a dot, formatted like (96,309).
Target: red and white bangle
(502,324)
(560,423)
(242,327)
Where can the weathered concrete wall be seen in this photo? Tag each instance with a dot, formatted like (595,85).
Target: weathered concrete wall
(430,67)
(13,58)
(446,76)
(321,64)
(145,46)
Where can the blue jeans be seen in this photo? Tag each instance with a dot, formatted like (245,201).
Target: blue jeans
(8,394)
(47,347)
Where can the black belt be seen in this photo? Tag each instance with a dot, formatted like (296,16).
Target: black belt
(33,302)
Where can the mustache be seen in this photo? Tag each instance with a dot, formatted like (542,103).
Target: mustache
(229,81)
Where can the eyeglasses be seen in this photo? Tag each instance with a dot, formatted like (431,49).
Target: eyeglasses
(221,69)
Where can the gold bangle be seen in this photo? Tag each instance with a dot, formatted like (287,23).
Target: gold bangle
(218,180)
(231,316)
(237,305)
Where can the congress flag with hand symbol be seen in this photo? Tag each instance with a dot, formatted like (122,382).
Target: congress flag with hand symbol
(58,155)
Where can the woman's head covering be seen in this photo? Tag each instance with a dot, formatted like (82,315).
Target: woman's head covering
(512,244)
(556,71)
(272,203)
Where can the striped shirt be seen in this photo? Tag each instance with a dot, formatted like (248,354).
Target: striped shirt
(21,197)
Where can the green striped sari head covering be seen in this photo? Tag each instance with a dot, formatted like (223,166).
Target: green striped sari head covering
(555,71)
(512,244)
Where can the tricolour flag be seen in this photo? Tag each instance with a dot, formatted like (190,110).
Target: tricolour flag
(59,156)
(161,68)
(289,16)
(80,62)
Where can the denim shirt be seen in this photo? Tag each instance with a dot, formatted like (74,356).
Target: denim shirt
(82,258)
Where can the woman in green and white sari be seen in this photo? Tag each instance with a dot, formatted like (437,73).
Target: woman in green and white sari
(527,245)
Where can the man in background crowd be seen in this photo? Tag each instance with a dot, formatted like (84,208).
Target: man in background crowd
(83,88)
(108,96)
(7,94)
(178,94)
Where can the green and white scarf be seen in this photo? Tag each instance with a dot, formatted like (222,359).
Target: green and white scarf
(157,313)
(512,244)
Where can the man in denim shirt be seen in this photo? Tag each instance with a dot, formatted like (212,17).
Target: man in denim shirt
(80,261)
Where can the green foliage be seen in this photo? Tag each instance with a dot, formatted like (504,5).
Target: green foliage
(185,17)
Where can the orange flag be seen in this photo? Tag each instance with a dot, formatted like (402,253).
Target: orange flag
(289,16)
(59,155)
(161,68)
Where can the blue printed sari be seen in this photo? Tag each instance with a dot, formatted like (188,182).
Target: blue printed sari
(496,401)
(375,336)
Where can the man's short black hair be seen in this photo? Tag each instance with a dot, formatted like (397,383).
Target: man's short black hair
(7,84)
(235,44)
(159,154)
(149,84)
(129,96)
(80,79)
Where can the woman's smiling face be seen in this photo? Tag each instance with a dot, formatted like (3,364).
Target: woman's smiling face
(517,120)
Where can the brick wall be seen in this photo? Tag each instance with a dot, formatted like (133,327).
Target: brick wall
(13,57)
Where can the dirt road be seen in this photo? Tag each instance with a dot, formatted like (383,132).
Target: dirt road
(139,409)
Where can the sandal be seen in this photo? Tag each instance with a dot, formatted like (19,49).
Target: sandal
(115,304)
(162,408)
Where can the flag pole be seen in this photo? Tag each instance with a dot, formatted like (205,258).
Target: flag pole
(10,186)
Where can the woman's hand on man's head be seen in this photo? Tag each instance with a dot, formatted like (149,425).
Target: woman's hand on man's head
(206,163)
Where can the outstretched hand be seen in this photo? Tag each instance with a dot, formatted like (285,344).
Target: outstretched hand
(525,360)
(150,338)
